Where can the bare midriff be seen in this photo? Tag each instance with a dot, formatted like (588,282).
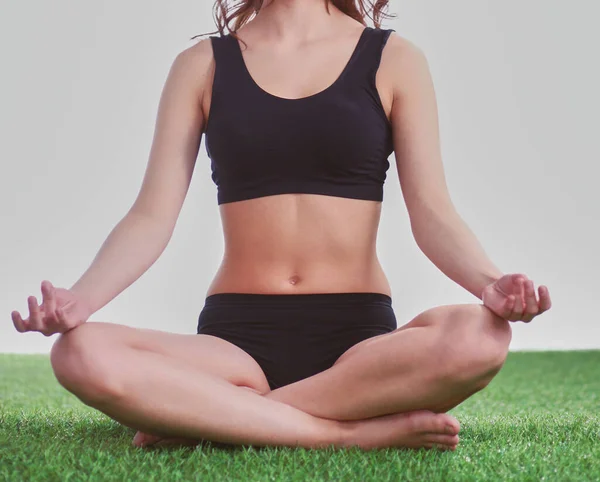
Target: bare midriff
(300,243)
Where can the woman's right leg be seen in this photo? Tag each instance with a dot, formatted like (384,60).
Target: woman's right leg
(114,369)
(149,391)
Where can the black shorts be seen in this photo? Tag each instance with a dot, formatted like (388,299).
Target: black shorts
(295,336)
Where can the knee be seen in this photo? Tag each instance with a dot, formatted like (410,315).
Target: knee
(478,342)
(82,363)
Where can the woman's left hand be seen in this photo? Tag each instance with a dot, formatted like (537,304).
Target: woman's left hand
(513,298)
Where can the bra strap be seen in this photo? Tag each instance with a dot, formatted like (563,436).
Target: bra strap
(368,57)
(229,69)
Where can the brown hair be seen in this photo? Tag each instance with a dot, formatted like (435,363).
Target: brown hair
(224,12)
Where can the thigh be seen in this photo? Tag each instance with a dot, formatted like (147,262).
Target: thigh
(422,365)
(206,353)
(438,316)
(294,336)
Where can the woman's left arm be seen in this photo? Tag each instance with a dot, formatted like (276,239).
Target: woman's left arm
(438,229)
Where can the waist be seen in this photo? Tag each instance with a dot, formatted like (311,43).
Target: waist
(314,277)
(303,300)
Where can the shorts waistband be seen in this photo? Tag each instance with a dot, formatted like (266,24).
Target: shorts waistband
(300,299)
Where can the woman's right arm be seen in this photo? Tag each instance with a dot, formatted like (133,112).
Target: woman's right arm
(141,236)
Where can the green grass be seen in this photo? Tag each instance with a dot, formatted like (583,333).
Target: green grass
(538,420)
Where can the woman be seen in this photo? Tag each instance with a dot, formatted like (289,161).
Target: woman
(297,341)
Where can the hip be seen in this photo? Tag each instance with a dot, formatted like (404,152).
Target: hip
(294,336)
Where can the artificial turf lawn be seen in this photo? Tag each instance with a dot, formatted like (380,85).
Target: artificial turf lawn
(538,420)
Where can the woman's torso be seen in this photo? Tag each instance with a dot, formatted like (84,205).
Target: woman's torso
(296,242)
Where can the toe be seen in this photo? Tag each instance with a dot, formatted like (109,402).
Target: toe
(138,439)
(449,440)
(142,439)
(440,423)
(448,424)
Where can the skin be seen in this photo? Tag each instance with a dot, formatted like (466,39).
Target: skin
(389,390)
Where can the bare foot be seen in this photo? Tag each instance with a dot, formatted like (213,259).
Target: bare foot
(419,429)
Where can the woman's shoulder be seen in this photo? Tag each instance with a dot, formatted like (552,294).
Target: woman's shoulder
(199,53)
(195,64)
(401,45)
(402,58)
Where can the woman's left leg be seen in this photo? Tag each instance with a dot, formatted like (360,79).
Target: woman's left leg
(440,358)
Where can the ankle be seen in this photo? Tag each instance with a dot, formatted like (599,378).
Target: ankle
(338,433)
(348,433)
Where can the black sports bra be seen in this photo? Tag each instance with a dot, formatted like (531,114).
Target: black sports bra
(335,142)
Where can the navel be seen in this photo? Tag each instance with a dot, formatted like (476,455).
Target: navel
(294,279)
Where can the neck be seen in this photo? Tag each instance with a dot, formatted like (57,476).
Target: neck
(297,20)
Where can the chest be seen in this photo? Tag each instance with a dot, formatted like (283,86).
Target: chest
(296,74)
(337,132)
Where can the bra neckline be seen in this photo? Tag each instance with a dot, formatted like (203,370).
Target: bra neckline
(308,97)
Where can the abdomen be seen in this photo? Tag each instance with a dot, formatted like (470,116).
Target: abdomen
(300,243)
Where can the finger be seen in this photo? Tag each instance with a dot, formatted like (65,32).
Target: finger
(49,301)
(63,324)
(531,303)
(47,331)
(513,315)
(508,307)
(522,286)
(20,324)
(51,320)
(517,311)
(35,314)
(518,280)
(545,303)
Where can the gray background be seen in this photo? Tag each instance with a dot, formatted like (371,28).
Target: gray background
(517,87)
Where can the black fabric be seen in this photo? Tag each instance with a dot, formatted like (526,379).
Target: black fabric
(335,142)
(294,336)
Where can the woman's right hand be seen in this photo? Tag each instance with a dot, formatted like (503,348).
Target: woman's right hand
(61,310)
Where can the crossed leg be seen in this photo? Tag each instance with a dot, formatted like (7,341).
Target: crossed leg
(180,386)
(441,357)
(193,386)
